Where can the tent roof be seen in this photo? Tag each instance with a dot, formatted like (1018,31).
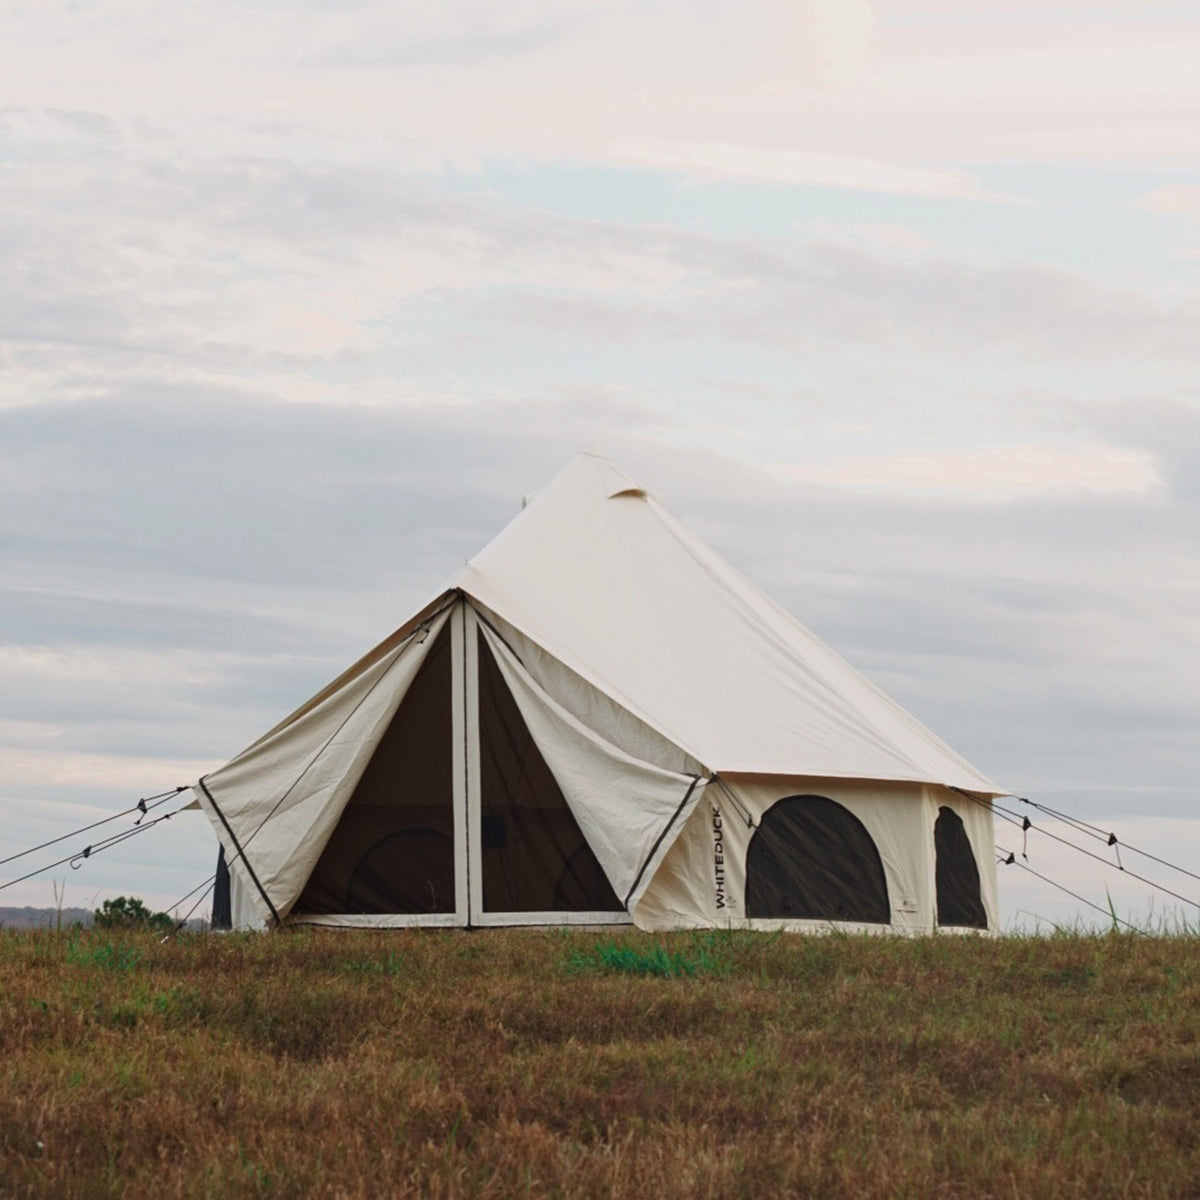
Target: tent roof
(595,570)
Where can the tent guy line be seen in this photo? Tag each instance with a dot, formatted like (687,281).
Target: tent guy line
(1108,838)
(143,806)
(77,859)
(1005,857)
(1025,824)
(181,922)
(745,813)
(1009,859)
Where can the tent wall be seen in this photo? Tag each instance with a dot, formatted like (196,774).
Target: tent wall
(703,879)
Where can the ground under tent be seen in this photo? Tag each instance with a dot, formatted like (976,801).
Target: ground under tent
(600,722)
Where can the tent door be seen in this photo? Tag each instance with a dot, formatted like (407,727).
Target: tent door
(528,863)
(398,853)
(456,819)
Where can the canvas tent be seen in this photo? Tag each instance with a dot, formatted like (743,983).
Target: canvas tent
(600,721)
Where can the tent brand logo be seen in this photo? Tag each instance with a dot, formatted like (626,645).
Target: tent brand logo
(718,855)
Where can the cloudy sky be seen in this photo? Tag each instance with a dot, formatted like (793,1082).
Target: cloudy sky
(897,304)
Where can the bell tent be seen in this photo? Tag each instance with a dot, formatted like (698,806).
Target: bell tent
(600,722)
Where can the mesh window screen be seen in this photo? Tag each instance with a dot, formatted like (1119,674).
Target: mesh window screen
(812,858)
(535,858)
(393,849)
(958,897)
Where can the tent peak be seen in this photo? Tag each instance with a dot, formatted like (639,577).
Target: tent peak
(593,470)
(638,607)
(593,473)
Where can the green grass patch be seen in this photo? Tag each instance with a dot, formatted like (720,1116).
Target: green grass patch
(702,956)
(389,964)
(108,955)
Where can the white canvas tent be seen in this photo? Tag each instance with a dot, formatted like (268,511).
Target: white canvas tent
(600,721)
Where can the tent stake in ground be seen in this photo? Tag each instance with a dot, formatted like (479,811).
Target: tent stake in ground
(601,721)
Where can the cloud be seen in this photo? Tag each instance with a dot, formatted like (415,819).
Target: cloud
(1169,428)
(880,237)
(767,79)
(57,769)
(467,34)
(842,30)
(314,284)
(1174,199)
(993,472)
(708,160)
(743,292)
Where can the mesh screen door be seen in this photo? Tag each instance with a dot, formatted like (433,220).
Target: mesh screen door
(533,855)
(393,849)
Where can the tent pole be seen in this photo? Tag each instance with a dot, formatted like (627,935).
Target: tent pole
(458,736)
(472,765)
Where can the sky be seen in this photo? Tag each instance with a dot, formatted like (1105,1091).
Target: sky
(895,304)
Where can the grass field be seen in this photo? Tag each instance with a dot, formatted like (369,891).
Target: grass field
(517,1063)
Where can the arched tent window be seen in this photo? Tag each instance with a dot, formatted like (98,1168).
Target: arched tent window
(959,901)
(812,858)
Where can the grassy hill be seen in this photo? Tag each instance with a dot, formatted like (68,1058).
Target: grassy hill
(517,1063)
(43,918)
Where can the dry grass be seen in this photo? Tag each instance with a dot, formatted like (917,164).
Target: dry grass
(505,1063)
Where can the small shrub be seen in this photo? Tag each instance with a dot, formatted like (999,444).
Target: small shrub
(128,912)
